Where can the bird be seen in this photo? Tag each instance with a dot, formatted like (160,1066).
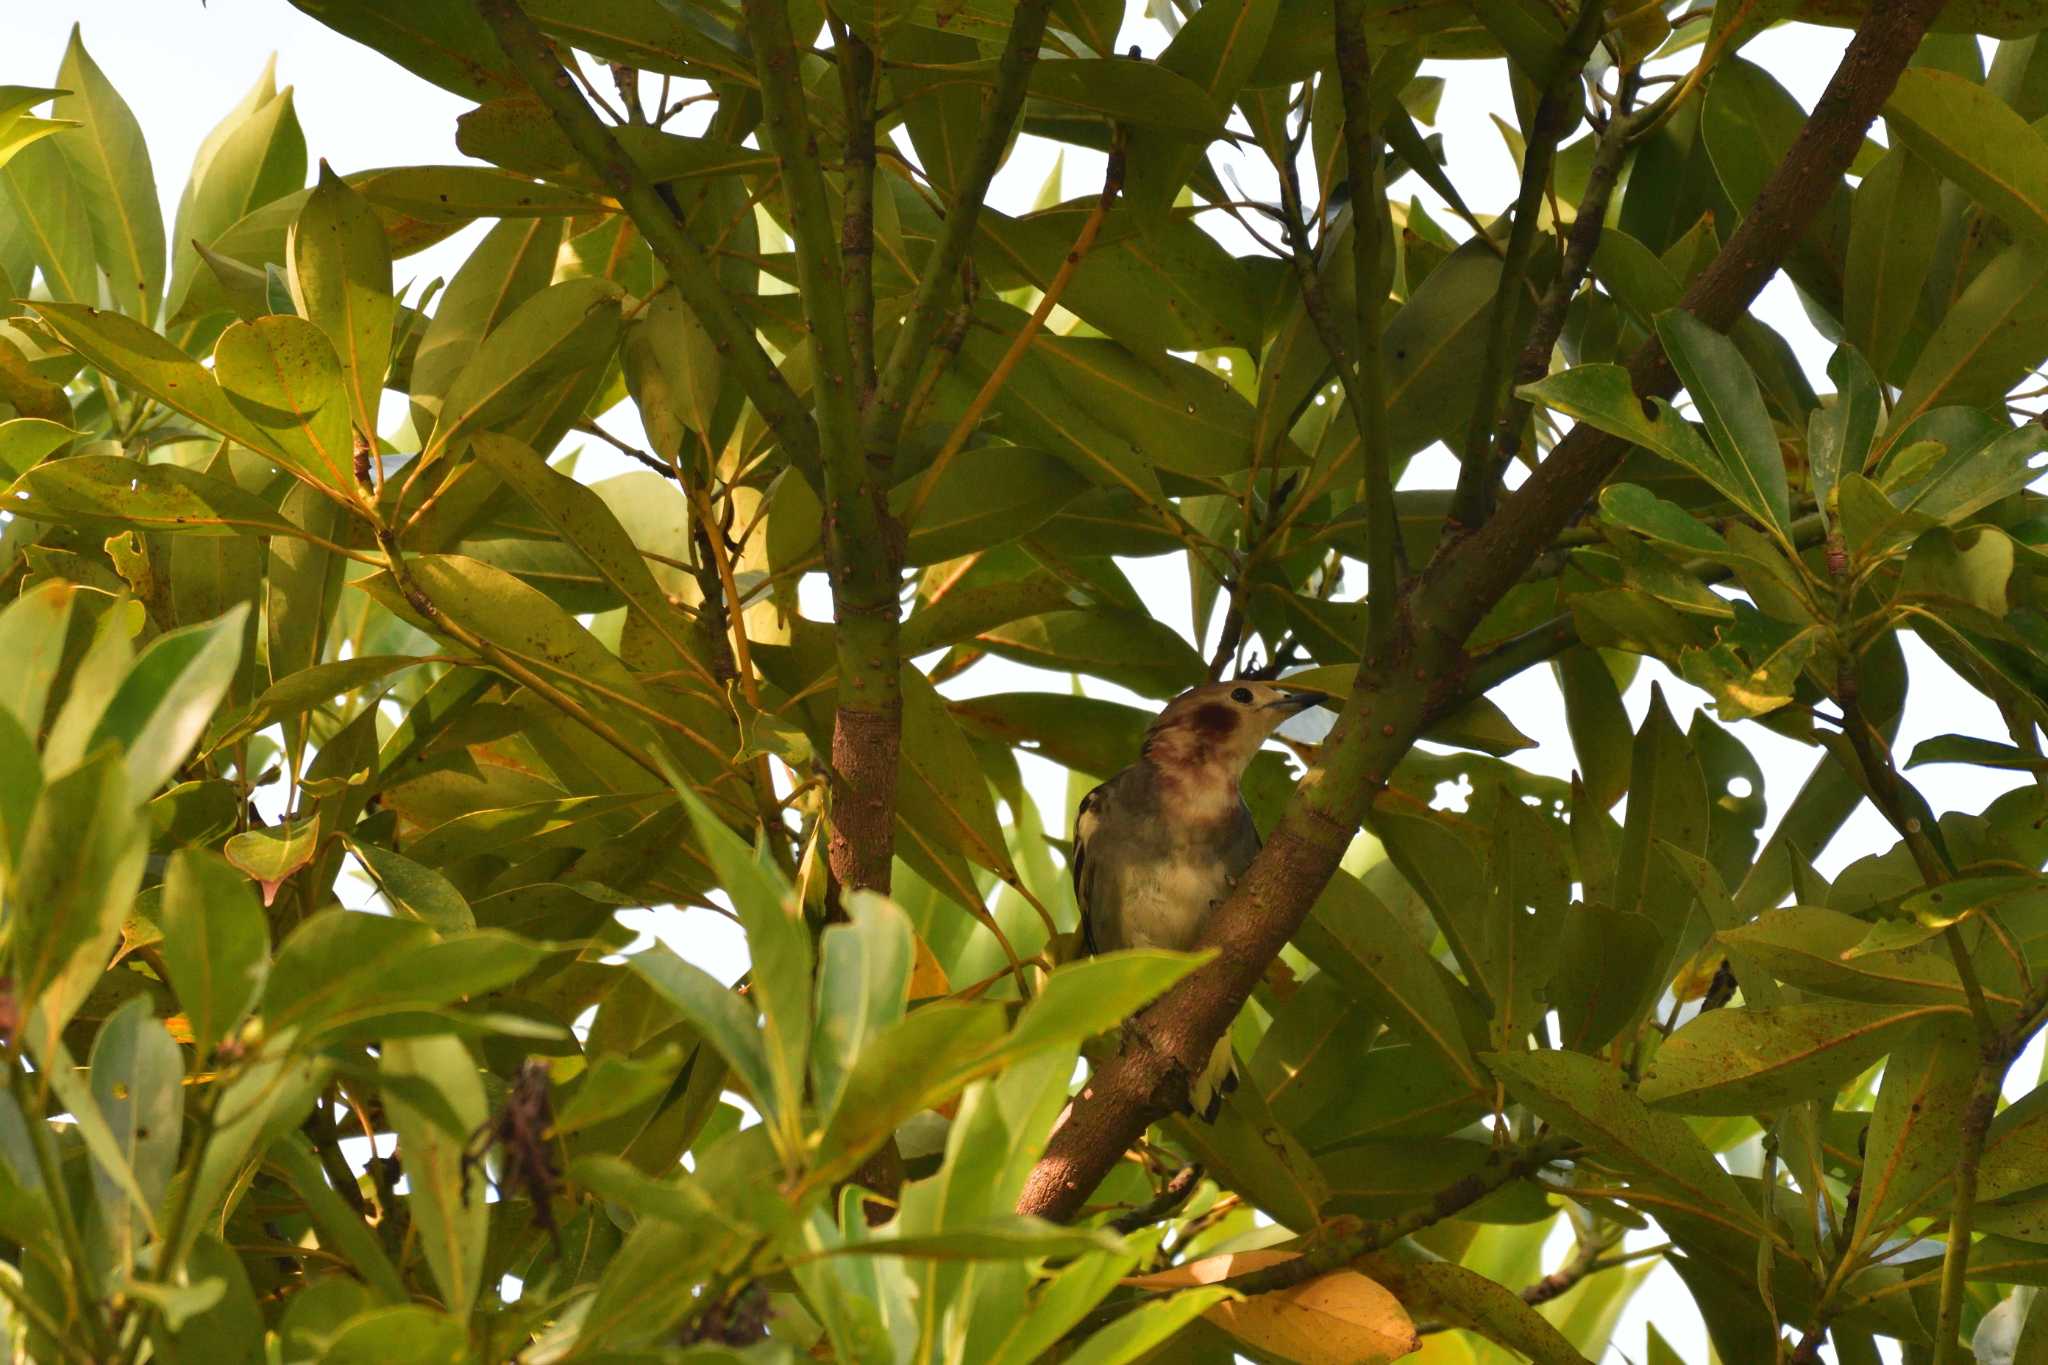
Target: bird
(1159,846)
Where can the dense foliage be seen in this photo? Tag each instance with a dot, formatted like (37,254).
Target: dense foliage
(341,713)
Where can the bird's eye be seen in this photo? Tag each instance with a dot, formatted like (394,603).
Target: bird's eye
(1242,696)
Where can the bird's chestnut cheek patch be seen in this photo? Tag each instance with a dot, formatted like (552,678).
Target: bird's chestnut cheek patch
(1216,721)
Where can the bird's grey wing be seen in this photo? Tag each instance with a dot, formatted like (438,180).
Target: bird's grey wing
(1242,844)
(1087,818)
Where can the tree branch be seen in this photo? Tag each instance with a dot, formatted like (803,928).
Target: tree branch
(1387,566)
(1169,1042)
(1472,575)
(1339,1252)
(1555,112)
(857,84)
(688,264)
(863,546)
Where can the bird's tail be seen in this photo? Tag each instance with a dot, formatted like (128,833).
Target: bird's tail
(1218,1078)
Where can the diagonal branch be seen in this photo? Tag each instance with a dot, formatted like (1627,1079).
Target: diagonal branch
(1171,1040)
(684,258)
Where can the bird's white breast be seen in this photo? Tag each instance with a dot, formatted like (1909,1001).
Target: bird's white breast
(1165,902)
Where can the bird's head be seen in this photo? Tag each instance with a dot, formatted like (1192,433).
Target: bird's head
(1220,726)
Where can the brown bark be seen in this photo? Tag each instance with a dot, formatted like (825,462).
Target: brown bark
(1167,1043)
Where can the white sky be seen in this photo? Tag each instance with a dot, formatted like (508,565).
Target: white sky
(181,65)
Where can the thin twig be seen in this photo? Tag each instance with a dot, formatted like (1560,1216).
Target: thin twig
(1162,1205)
(1473,502)
(1112,186)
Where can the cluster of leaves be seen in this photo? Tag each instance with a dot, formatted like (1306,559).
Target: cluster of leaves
(301,597)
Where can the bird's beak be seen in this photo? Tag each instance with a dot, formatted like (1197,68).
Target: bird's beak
(1300,700)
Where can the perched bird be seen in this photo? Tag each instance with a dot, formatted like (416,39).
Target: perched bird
(1161,844)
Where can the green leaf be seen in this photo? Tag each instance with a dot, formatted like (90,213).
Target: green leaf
(1216,51)
(33,629)
(586,521)
(50,207)
(1976,752)
(1667,803)
(1126,648)
(1818,950)
(1893,233)
(1067,1296)
(1606,978)
(524,624)
(406,1335)
(1085,998)
(25,441)
(108,492)
(1247,1150)
(1838,435)
(1603,396)
(943,793)
(1601,739)
(341,283)
(1460,1297)
(1137,1332)
(863,983)
(1746,1061)
(1986,341)
(137,1082)
(216,944)
(269,1096)
(348,969)
(999,1238)
(1661,521)
(109,159)
(1591,1101)
(313,688)
(613,1085)
(1725,392)
(137,356)
(453,1224)
(80,867)
(988,496)
(779,947)
(1154,285)
(281,374)
(169,696)
(17,132)
(1145,94)
(513,262)
(1354,936)
(414,888)
(1909,1148)
(563,329)
(725,1020)
(1975,139)
(255,155)
(268,856)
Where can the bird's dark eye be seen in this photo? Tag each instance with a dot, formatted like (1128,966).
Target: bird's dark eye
(1242,696)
